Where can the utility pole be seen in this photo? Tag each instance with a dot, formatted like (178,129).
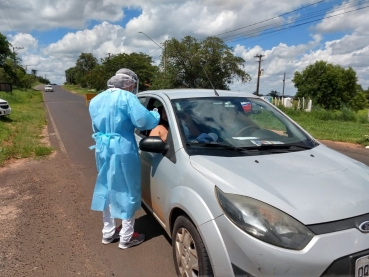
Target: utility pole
(165,58)
(284,80)
(15,48)
(259,72)
(109,55)
(26,66)
(14,56)
(34,72)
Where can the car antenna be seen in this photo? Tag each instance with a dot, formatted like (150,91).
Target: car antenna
(215,91)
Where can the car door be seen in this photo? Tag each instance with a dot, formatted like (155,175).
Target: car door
(158,171)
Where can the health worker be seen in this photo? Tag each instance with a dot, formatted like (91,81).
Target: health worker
(115,113)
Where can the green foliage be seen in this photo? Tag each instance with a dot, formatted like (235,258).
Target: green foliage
(70,75)
(338,125)
(4,77)
(5,51)
(190,63)
(85,63)
(359,102)
(161,82)
(140,63)
(273,93)
(88,74)
(343,114)
(20,132)
(42,80)
(328,85)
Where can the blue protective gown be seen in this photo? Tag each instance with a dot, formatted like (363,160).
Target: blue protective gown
(115,113)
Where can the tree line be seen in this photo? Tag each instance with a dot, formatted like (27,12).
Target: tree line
(191,63)
(11,70)
(188,63)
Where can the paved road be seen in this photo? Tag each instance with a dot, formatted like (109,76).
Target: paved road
(69,114)
(72,125)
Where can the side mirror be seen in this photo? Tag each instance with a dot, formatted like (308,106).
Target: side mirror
(154,145)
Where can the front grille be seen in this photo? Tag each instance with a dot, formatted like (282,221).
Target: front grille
(4,106)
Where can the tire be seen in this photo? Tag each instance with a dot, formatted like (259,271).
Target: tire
(189,252)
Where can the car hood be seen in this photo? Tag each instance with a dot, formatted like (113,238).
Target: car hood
(2,100)
(313,186)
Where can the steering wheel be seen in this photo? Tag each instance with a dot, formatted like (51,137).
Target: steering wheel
(247,128)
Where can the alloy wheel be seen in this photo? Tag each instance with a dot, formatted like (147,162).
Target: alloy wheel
(186,254)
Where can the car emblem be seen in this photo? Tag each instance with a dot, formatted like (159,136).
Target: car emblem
(364,227)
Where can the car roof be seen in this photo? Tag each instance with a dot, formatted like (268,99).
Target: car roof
(194,93)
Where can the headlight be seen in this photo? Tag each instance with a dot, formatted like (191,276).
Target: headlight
(264,222)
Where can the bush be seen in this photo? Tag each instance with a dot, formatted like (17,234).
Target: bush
(344,114)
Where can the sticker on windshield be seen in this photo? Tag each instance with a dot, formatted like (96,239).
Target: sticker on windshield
(265,142)
(244,138)
(246,106)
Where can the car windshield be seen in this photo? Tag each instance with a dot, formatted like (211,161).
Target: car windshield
(237,123)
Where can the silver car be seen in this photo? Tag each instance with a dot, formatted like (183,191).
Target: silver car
(4,107)
(243,190)
(49,88)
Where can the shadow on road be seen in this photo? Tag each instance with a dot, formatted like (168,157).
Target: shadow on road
(148,225)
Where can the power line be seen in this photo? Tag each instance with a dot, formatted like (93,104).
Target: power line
(7,19)
(290,26)
(278,16)
(271,27)
(7,6)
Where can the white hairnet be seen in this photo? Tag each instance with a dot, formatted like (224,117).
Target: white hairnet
(122,81)
(128,72)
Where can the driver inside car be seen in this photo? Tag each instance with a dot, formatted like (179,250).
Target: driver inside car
(229,122)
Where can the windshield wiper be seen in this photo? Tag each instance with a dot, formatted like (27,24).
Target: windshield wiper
(280,148)
(287,147)
(215,145)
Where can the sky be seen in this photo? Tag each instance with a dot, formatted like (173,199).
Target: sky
(49,35)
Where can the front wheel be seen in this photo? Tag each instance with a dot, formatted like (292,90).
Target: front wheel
(189,252)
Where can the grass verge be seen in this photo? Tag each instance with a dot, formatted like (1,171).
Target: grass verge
(343,127)
(78,90)
(21,131)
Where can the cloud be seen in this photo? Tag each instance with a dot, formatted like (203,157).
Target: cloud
(25,41)
(356,21)
(25,16)
(350,51)
(162,19)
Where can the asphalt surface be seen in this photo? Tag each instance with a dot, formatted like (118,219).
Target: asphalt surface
(69,115)
(48,228)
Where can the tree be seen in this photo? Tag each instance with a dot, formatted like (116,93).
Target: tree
(327,85)
(85,63)
(274,93)
(7,72)
(70,76)
(5,51)
(140,63)
(365,92)
(194,64)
